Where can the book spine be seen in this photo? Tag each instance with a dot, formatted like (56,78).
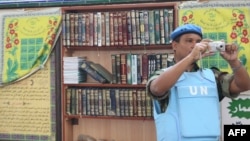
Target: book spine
(96,102)
(84,102)
(88,97)
(99,29)
(143,102)
(112,103)
(76,34)
(111,23)
(92,102)
(157,26)
(149,109)
(120,28)
(100,102)
(108,102)
(68,29)
(116,28)
(146,26)
(134,69)
(124,29)
(166,27)
(117,99)
(123,69)
(68,100)
(139,78)
(142,28)
(126,102)
(87,30)
(79,39)
(158,62)
(101,71)
(95,36)
(131,107)
(129,29)
(170,20)
(151,27)
(114,72)
(91,29)
(103,29)
(94,74)
(164,60)
(107,30)
(139,103)
(104,102)
(129,75)
(133,25)
(135,106)
(118,68)
(144,68)
(162,30)
(73,101)
(72,29)
(83,29)
(122,102)
(79,101)
(137,23)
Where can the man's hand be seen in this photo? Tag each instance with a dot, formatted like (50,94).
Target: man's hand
(231,52)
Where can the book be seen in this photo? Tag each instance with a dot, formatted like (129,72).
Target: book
(142,28)
(107,29)
(157,26)
(144,67)
(71,70)
(162,27)
(83,29)
(133,27)
(129,30)
(102,71)
(137,24)
(134,69)
(124,28)
(72,29)
(123,68)
(113,62)
(68,101)
(146,26)
(76,30)
(129,75)
(118,69)
(166,26)
(86,66)
(84,102)
(151,27)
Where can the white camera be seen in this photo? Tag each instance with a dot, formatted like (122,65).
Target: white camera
(217,46)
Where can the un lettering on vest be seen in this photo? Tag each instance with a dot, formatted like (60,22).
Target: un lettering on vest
(198,90)
(194,91)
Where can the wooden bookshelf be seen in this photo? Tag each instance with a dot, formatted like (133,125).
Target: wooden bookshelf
(115,128)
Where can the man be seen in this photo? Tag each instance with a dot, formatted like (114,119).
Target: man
(186,96)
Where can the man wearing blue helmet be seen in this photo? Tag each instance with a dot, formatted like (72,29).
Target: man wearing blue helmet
(186,97)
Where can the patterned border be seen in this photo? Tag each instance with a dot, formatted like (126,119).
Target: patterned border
(7,4)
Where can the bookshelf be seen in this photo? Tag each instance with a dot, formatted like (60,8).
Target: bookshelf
(122,126)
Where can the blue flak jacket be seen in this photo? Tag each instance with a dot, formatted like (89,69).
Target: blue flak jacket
(193,112)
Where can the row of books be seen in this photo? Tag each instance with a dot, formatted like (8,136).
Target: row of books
(72,74)
(128,68)
(131,27)
(108,102)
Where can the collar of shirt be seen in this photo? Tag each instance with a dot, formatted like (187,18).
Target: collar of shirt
(194,69)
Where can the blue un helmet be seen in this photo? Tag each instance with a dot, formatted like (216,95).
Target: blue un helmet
(187,28)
